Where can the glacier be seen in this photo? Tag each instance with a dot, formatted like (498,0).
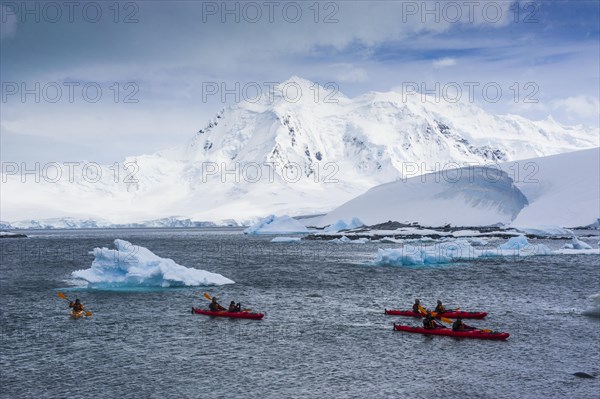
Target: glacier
(470,199)
(557,191)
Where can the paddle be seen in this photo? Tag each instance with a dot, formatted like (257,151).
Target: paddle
(444,319)
(434,314)
(63,296)
(424,311)
(207,296)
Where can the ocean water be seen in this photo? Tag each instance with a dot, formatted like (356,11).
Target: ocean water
(324,335)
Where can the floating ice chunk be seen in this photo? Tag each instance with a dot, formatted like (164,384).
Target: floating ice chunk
(450,251)
(346,240)
(286,239)
(578,244)
(134,266)
(277,225)
(518,242)
(409,255)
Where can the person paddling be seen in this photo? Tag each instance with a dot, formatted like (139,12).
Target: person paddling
(440,308)
(458,325)
(215,306)
(235,308)
(77,306)
(429,322)
(417,306)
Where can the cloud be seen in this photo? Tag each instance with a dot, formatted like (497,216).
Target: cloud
(578,106)
(444,62)
(345,72)
(8,23)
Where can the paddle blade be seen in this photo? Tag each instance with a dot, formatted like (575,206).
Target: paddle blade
(88,313)
(63,296)
(445,319)
(422,309)
(207,296)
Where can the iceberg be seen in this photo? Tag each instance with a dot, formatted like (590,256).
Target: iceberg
(346,240)
(286,239)
(578,244)
(453,251)
(518,242)
(277,225)
(342,225)
(130,265)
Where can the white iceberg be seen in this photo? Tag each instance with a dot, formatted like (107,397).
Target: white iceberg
(342,225)
(518,242)
(133,266)
(277,225)
(286,239)
(453,251)
(578,244)
(346,240)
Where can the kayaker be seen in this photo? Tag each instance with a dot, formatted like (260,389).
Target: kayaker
(458,325)
(77,306)
(417,306)
(235,308)
(440,308)
(429,322)
(214,305)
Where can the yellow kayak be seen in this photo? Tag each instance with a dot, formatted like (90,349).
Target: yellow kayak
(76,315)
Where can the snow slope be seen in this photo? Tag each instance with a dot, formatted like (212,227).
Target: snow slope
(561,190)
(298,156)
(470,197)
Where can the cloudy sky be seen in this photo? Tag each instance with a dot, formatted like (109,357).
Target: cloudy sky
(94,81)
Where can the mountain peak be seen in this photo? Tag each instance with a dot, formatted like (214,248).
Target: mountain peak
(298,81)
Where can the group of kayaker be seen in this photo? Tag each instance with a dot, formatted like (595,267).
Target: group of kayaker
(430,322)
(216,307)
(417,308)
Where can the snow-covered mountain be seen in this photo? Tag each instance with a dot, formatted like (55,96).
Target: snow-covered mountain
(77,223)
(561,190)
(300,154)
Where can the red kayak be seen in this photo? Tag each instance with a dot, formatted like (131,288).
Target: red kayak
(451,314)
(233,315)
(475,333)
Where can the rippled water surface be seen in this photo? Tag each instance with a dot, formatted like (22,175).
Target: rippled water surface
(324,334)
